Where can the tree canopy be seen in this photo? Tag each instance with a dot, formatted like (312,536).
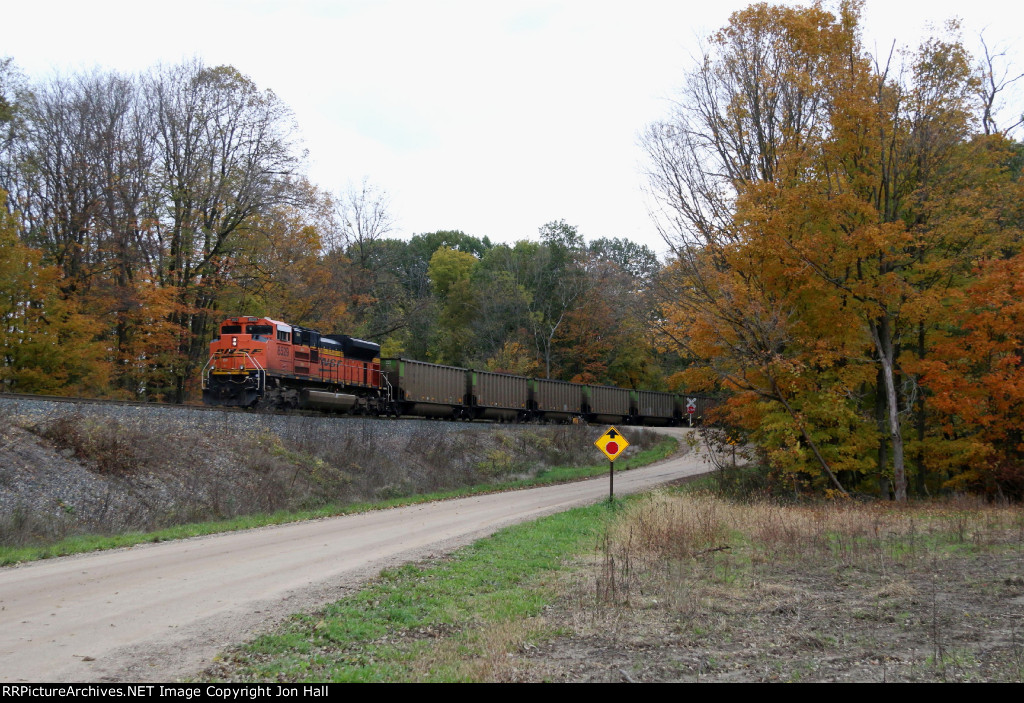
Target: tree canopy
(827,210)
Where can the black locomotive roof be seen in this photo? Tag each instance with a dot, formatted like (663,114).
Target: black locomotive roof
(355,348)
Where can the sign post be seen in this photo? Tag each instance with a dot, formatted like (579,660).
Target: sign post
(691,408)
(611,444)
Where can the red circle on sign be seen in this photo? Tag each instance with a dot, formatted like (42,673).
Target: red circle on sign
(612,447)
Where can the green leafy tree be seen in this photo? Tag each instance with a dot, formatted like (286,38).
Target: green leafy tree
(451,273)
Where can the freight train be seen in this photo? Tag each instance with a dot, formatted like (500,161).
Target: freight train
(260,362)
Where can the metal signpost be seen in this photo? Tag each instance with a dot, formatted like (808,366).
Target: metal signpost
(691,408)
(611,444)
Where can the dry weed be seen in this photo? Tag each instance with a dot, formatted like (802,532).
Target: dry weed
(828,591)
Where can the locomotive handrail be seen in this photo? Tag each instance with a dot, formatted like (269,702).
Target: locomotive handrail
(261,375)
(205,374)
(261,372)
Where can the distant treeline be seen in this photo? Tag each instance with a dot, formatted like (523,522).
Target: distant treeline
(142,209)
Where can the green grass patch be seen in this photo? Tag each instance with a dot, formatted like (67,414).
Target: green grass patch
(87,543)
(425,622)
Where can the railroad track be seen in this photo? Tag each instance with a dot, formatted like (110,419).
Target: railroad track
(9,398)
(98,401)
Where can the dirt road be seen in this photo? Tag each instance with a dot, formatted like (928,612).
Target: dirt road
(160,611)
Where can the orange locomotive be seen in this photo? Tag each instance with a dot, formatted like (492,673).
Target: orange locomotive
(257,361)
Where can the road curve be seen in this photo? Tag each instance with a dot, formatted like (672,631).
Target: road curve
(159,611)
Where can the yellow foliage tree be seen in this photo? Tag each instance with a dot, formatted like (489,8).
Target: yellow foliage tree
(822,210)
(46,346)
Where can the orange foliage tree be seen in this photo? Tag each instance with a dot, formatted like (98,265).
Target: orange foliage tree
(46,345)
(976,377)
(823,212)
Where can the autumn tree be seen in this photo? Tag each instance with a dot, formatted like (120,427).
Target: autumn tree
(143,191)
(822,206)
(224,156)
(12,91)
(451,276)
(46,346)
(908,198)
(606,337)
(282,268)
(80,164)
(555,280)
(736,299)
(975,374)
(76,181)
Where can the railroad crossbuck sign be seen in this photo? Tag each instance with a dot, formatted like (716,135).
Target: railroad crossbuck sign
(612,443)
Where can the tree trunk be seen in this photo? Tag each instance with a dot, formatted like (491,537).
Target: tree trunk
(882,335)
(920,487)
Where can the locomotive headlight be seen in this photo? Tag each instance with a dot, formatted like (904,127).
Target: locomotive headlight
(234,341)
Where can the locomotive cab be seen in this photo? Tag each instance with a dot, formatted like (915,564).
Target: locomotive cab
(236,374)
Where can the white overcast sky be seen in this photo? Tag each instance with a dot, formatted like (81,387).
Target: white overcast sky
(492,118)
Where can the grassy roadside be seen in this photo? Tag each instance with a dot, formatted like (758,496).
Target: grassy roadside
(449,621)
(87,543)
(684,585)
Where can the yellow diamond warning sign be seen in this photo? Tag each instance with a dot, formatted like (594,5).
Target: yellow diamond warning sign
(612,443)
